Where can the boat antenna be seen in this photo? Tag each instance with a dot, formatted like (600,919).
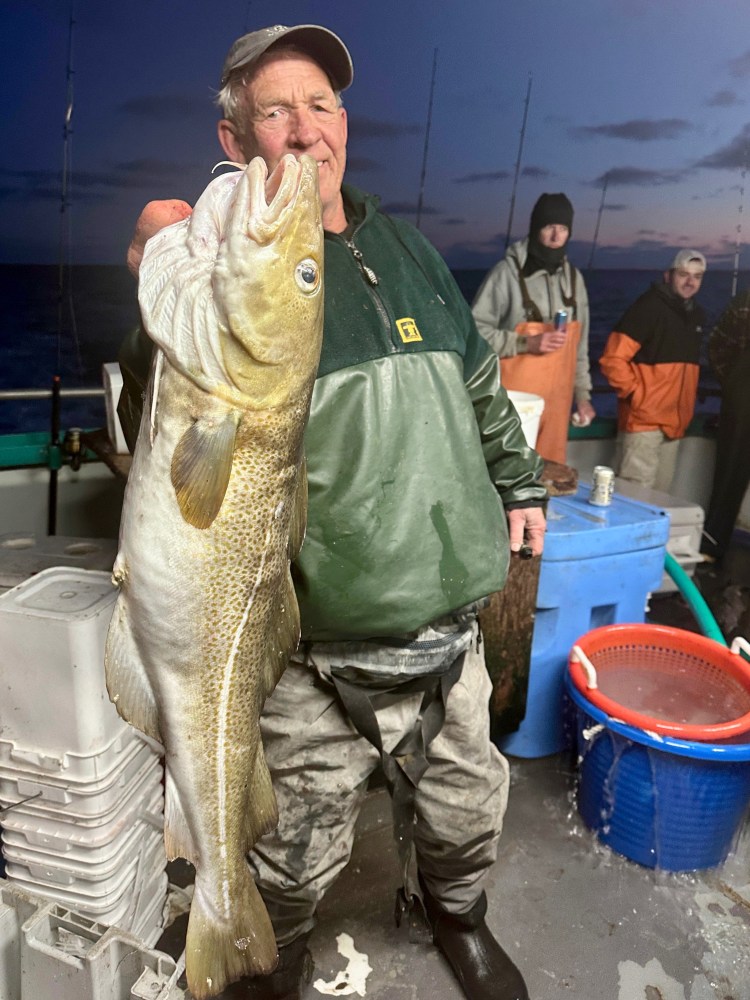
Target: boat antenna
(737,244)
(598,221)
(65,273)
(518,163)
(426,140)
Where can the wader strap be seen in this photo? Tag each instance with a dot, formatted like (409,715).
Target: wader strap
(530,308)
(571,299)
(405,765)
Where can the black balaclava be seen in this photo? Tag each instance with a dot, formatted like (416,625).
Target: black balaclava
(550,209)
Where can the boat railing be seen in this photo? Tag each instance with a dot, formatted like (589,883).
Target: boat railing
(79,392)
(54,448)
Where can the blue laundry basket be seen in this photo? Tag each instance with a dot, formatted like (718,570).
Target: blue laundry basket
(662,802)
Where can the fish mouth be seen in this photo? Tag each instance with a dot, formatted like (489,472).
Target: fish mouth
(275,178)
(272,194)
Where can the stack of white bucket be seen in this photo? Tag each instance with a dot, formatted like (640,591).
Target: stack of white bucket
(81,794)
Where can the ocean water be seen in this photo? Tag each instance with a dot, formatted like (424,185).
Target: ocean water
(43,334)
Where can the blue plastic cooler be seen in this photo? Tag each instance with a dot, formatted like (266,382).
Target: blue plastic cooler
(598,567)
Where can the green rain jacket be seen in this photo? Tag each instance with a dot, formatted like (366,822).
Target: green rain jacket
(414,452)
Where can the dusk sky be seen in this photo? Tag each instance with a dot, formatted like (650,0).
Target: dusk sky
(653,94)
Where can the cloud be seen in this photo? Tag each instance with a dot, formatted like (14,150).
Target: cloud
(24,183)
(91,185)
(614,206)
(46,185)
(370,128)
(734,156)
(141,173)
(719,192)
(535,173)
(647,245)
(453,222)
(723,99)
(741,65)
(473,255)
(635,130)
(162,108)
(638,177)
(407,208)
(492,175)
(362,165)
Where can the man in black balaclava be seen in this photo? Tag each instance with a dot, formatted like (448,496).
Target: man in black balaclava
(515,311)
(550,228)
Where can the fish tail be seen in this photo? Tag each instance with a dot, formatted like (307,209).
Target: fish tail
(222,950)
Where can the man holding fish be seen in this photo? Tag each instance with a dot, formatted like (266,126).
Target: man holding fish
(420,485)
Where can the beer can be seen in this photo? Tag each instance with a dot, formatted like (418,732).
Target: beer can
(561,320)
(602,486)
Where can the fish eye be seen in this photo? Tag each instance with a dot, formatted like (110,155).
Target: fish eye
(307,275)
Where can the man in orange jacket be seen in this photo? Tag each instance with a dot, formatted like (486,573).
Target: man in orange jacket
(651,360)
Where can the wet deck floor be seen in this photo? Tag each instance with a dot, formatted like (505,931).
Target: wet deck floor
(579,920)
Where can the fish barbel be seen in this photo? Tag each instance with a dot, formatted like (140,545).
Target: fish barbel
(214,510)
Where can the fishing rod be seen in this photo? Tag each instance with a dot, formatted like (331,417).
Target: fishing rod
(426,140)
(64,281)
(737,244)
(598,221)
(518,163)
(64,274)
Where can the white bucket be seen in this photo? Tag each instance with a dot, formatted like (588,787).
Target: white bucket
(529,408)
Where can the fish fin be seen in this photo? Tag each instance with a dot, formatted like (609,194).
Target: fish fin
(201,467)
(178,840)
(285,639)
(221,951)
(127,682)
(298,520)
(264,815)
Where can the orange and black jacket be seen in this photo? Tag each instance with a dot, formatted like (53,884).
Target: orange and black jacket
(652,361)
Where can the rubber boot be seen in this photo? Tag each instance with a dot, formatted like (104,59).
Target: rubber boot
(481,966)
(295,965)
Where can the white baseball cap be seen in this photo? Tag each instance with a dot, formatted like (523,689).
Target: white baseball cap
(689,260)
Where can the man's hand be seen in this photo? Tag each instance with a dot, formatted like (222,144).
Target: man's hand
(155,216)
(545,343)
(526,527)
(583,414)
(540,340)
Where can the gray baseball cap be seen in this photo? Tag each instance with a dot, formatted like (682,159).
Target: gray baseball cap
(319,43)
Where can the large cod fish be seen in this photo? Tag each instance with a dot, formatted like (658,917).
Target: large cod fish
(214,510)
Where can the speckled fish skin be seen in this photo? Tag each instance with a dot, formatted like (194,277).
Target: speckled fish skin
(215,506)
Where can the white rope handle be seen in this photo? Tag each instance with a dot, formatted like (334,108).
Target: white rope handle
(741,644)
(588,667)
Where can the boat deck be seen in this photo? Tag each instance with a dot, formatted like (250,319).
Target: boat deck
(579,920)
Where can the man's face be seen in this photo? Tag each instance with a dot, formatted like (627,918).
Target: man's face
(292,108)
(554,236)
(684,281)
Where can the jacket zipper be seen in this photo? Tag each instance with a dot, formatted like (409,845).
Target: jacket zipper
(359,257)
(370,277)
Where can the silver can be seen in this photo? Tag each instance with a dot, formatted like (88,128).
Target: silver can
(602,486)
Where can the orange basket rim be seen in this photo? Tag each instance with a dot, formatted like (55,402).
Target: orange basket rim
(680,640)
